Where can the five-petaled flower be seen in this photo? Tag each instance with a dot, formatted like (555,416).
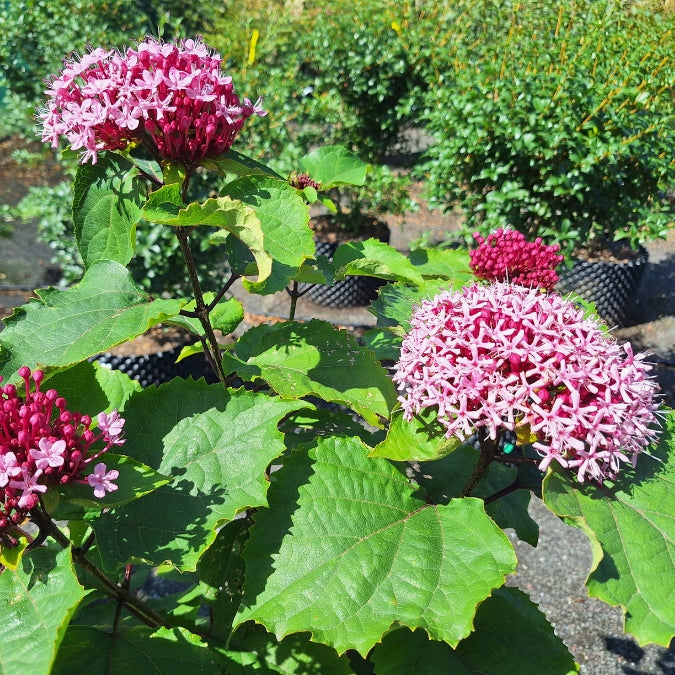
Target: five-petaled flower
(102,480)
(507,357)
(172,99)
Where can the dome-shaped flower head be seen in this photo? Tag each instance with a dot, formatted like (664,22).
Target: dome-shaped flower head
(507,357)
(507,256)
(173,99)
(43,444)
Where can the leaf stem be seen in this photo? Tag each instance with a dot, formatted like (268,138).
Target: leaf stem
(201,311)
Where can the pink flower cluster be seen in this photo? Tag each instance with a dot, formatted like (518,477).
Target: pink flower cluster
(507,256)
(172,99)
(502,356)
(42,443)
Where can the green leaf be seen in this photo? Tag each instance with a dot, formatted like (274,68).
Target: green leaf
(62,328)
(420,440)
(37,601)
(89,651)
(238,164)
(284,217)
(511,637)
(395,302)
(91,388)
(299,360)
(632,530)
(384,343)
(445,263)
(334,165)
(216,445)
(376,259)
(342,525)
(164,204)
(232,216)
(134,481)
(445,478)
(294,654)
(107,201)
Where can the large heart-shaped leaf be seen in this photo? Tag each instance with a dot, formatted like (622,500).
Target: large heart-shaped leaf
(62,328)
(299,360)
(107,201)
(631,524)
(216,445)
(346,526)
(38,599)
(89,651)
(511,637)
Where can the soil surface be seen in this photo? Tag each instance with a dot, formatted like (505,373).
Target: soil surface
(553,573)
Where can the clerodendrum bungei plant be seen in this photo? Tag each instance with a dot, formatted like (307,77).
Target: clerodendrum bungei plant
(361,536)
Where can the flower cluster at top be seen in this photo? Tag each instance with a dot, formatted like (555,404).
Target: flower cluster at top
(42,443)
(172,99)
(507,357)
(507,256)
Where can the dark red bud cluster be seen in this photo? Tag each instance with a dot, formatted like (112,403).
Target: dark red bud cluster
(507,256)
(301,180)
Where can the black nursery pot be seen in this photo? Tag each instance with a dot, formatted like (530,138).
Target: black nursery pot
(611,286)
(159,367)
(352,291)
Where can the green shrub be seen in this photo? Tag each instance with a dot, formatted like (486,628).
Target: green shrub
(555,119)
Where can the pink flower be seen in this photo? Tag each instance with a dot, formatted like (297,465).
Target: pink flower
(111,426)
(504,357)
(101,480)
(507,256)
(50,453)
(173,99)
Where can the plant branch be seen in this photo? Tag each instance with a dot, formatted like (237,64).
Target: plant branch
(488,450)
(132,603)
(516,485)
(202,311)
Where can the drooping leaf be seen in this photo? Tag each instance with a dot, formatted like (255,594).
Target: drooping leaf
(230,215)
(107,201)
(62,328)
(444,479)
(89,651)
(37,599)
(511,637)
(374,258)
(631,525)
(315,359)
(216,445)
(343,525)
(284,218)
(384,343)
(334,165)
(420,440)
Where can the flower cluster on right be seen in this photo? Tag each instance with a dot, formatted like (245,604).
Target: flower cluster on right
(505,356)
